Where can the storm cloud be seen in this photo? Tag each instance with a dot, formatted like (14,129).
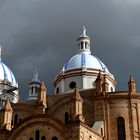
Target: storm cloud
(42,34)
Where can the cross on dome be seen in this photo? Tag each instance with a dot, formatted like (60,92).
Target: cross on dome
(35,78)
(35,72)
(84,32)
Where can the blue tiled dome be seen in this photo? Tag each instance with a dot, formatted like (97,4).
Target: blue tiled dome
(6,74)
(85,59)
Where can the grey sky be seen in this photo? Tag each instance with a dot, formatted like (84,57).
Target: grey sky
(43,33)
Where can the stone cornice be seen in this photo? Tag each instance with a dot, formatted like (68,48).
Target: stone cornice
(118,95)
(80,72)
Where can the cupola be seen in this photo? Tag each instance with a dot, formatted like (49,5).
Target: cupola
(83,41)
(33,86)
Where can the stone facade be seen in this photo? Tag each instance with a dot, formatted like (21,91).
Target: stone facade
(95,111)
(92,114)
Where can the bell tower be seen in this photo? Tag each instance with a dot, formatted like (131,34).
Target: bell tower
(131,85)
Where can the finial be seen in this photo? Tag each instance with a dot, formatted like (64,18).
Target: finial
(36,73)
(84,31)
(131,78)
(7,105)
(35,78)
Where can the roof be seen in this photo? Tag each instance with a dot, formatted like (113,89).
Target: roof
(86,60)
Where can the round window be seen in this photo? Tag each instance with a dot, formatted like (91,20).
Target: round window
(72,85)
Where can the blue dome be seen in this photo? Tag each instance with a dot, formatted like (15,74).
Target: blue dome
(85,59)
(6,74)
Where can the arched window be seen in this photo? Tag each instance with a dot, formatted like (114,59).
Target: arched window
(121,128)
(90,138)
(66,117)
(31,139)
(102,131)
(82,45)
(37,135)
(20,120)
(12,122)
(16,119)
(57,90)
(43,138)
(54,138)
(32,90)
(86,44)
(111,89)
(36,89)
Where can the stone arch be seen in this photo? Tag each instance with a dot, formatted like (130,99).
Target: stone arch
(57,106)
(39,120)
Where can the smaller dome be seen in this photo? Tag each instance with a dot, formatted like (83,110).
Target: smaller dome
(6,74)
(86,60)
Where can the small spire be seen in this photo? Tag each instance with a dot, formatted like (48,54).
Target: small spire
(7,105)
(98,82)
(76,94)
(105,84)
(42,94)
(42,87)
(77,106)
(131,84)
(131,78)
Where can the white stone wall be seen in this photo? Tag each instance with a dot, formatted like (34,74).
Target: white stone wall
(82,82)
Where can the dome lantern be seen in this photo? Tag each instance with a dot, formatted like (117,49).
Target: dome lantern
(33,86)
(83,42)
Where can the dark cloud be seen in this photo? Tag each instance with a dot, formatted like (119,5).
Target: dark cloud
(42,34)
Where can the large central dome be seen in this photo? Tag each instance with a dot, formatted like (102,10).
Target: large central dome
(82,69)
(84,59)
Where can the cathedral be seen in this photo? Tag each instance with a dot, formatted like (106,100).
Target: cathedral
(84,106)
